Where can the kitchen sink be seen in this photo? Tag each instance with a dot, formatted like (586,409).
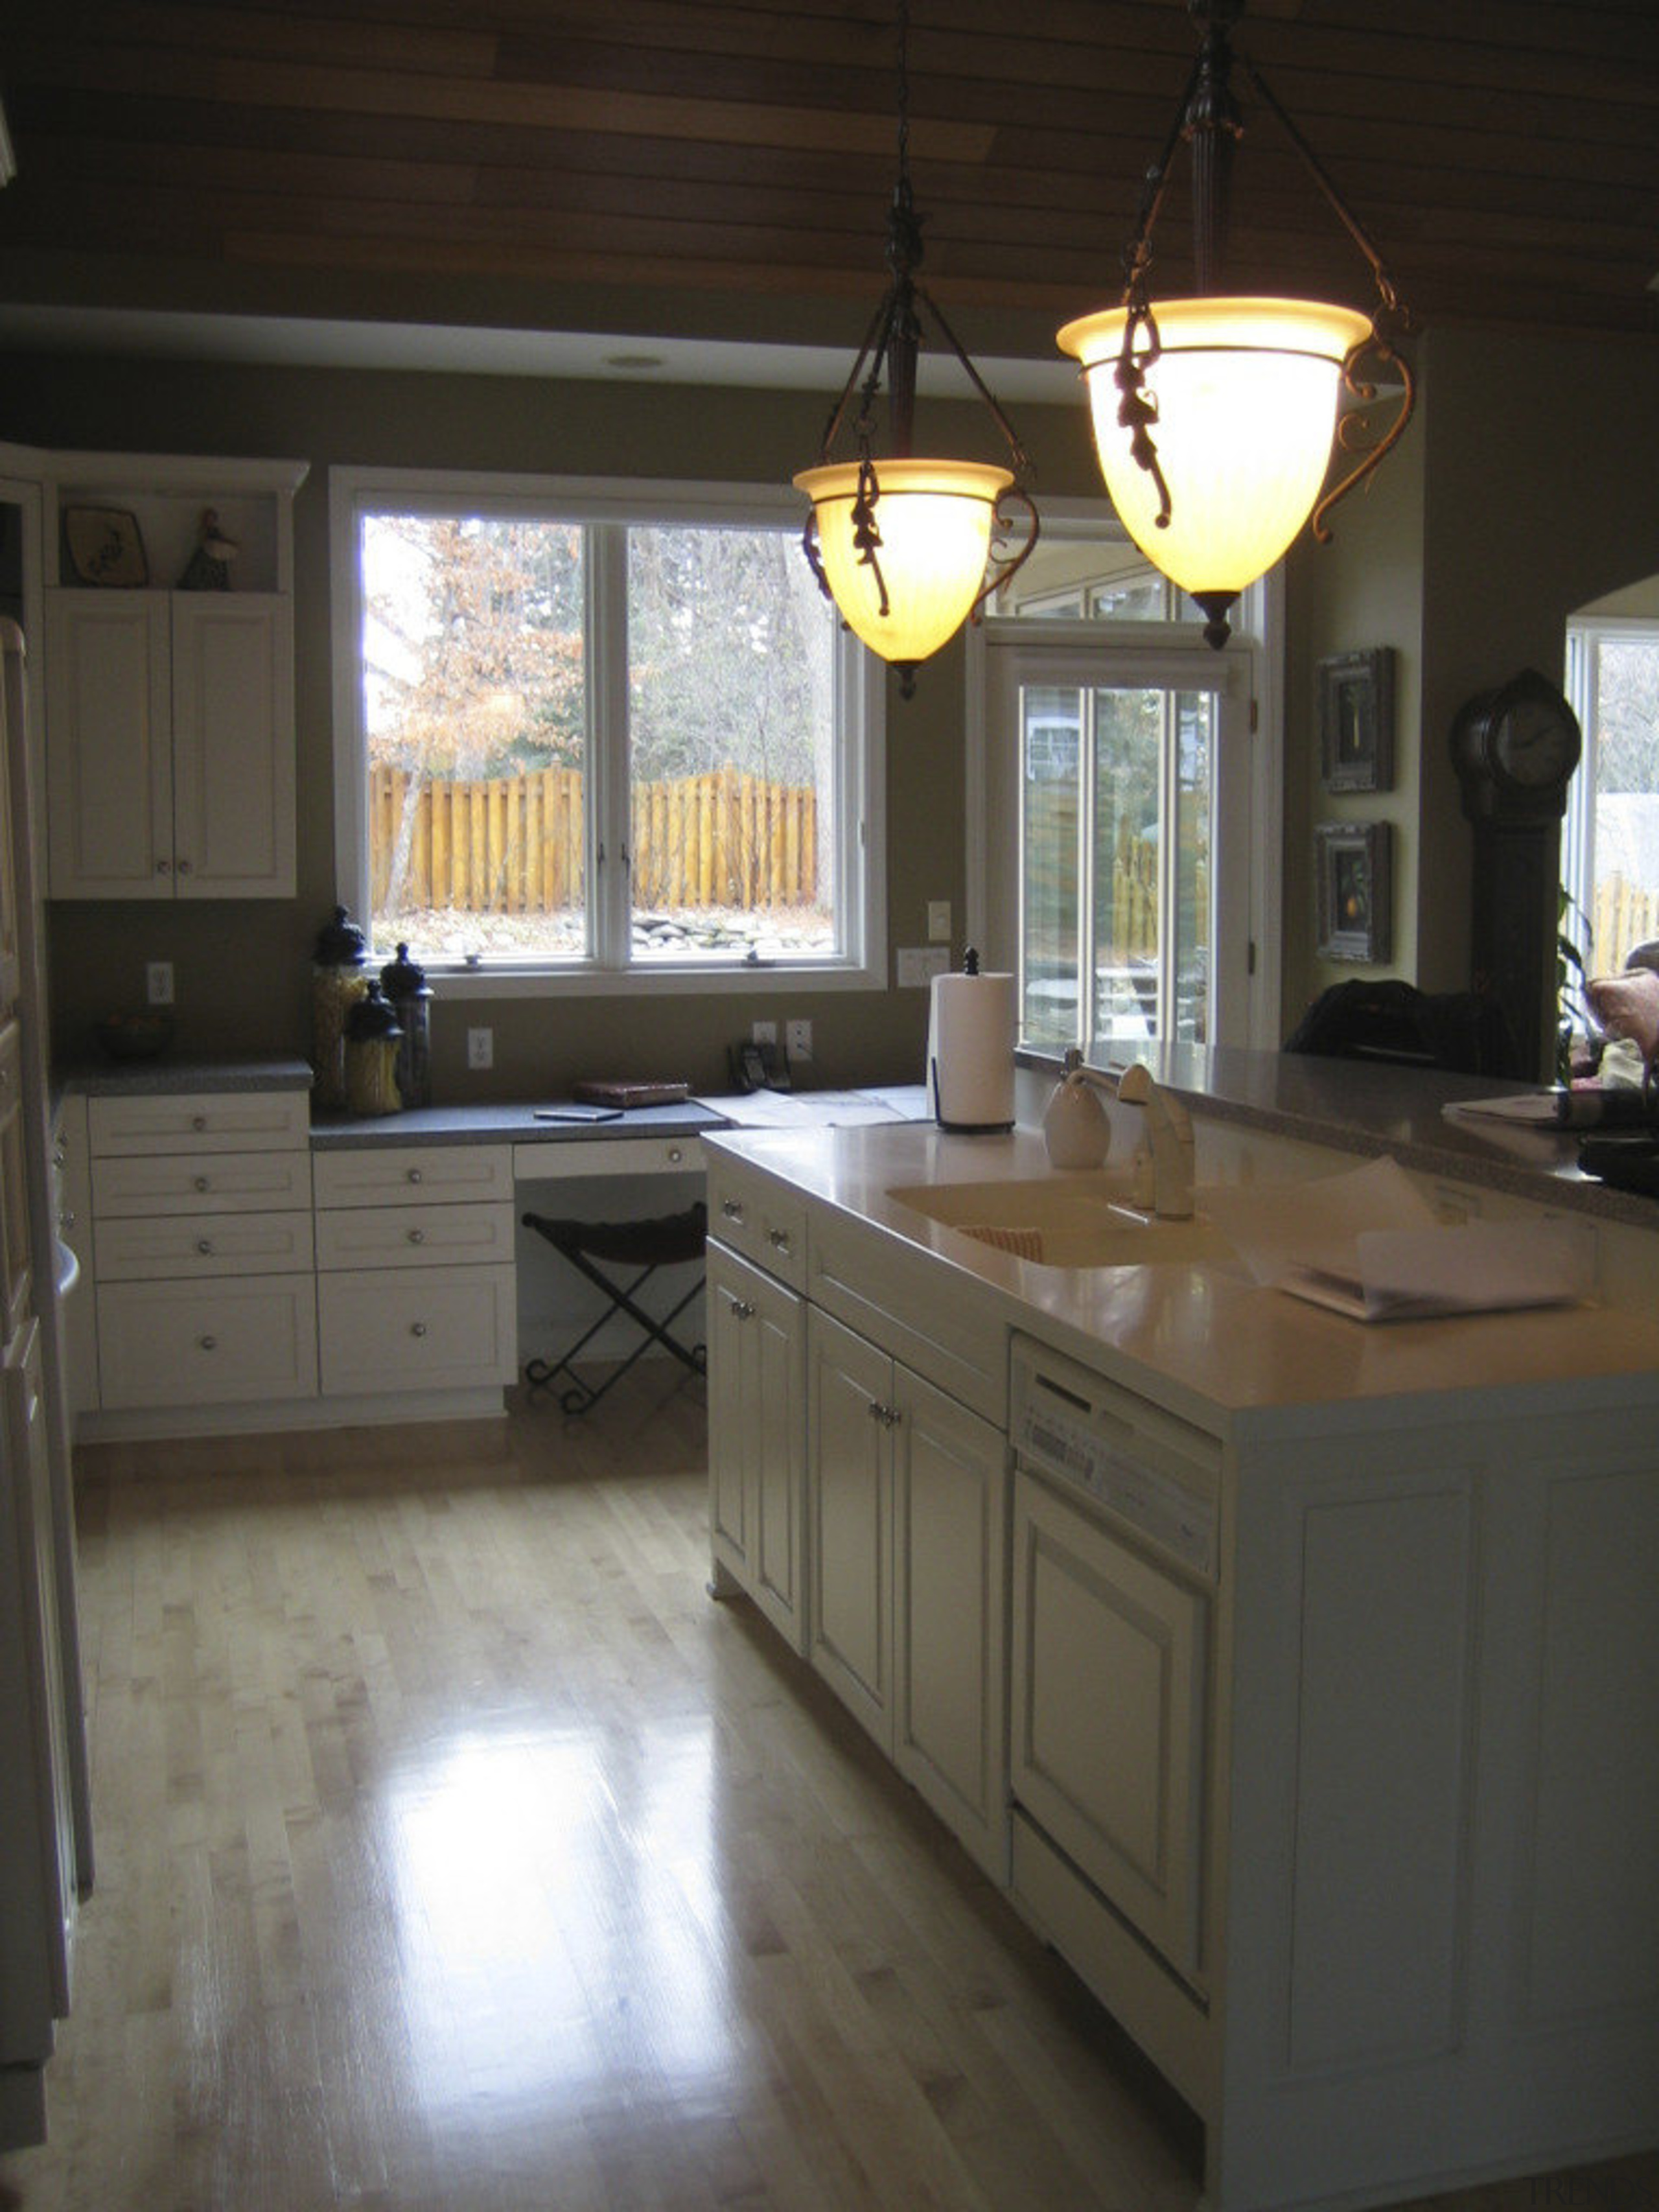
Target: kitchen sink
(1065,1221)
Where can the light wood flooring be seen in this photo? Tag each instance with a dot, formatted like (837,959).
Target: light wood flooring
(456,1849)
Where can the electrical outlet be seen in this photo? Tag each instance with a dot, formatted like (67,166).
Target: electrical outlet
(481,1047)
(158,982)
(798,1040)
(938,921)
(762,1032)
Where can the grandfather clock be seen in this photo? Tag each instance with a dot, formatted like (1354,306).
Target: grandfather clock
(1514,750)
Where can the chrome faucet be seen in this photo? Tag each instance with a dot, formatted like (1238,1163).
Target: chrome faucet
(1169,1132)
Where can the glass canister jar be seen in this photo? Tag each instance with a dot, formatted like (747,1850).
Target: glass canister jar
(404,980)
(339,979)
(372,1038)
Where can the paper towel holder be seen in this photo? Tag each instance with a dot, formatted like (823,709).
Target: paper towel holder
(1000,1123)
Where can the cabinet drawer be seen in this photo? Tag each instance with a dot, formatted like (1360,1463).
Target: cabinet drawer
(607,1156)
(414,1174)
(432,1328)
(239,1244)
(414,1235)
(222,1183)
(207,1344)
(200,1121)
(762,1222)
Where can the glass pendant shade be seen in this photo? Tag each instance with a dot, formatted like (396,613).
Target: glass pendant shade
(1246,391)
(935,519)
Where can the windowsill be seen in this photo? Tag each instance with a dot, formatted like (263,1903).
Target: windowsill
(486,982)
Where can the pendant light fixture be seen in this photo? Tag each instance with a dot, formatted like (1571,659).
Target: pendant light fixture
(1215,417)
(901,544)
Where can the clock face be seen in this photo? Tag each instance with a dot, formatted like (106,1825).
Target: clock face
(1535,740)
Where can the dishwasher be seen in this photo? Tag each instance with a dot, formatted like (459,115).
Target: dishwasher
(1114,1543)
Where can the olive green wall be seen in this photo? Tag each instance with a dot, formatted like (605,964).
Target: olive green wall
(1362,590)
(241,968)
(1525,489)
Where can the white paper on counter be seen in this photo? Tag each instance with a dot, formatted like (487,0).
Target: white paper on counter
(1368,1244)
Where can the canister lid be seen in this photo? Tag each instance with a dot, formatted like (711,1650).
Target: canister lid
(372,1019)
(403,978)
(340,943)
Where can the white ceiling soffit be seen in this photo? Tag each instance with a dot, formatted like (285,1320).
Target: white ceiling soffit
(292,342)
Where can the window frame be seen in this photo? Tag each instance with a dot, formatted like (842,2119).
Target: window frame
(607,967)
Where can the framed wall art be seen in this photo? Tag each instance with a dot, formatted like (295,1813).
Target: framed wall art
(1356,721)
(103,546)
(1353,863)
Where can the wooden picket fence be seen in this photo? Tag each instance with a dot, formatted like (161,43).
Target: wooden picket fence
(1131,905)
(513,844)
(1625,916)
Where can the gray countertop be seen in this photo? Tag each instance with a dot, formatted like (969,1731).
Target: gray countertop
(505,1122)
(166,1078)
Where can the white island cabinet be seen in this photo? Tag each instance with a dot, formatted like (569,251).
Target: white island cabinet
(1341,1802)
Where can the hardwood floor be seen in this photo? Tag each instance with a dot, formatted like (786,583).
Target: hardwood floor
(456,1849)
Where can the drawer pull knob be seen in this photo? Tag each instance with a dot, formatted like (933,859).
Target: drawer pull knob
(412,1175)
(781,1239)
(198,1121)
(205,1246)
(742,1310)
(208,1343)
(418,1329)
(200,1182)
(66,1220)
(59,1157)
(164,867)
(183,867)
(417,1236)
(675,1154)
(731,1208)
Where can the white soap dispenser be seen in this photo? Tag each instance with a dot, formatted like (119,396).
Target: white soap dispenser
(1075,1128)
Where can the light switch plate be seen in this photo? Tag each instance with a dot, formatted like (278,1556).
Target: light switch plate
(919,963)
(158,982)
(938,921)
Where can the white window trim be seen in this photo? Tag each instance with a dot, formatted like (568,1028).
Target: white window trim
(1586,635)
(861,860)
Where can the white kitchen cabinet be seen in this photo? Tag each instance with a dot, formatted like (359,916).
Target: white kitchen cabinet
(757,1437)
(850,1517)
(170,767)
(202,1248)
(417,1291)
(169,747)
(37,1843)
(907,1505)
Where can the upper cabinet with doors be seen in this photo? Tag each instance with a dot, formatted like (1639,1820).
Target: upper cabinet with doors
(169,679)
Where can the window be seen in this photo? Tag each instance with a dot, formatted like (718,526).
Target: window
(1119,761)
(1610,846)
(607,733)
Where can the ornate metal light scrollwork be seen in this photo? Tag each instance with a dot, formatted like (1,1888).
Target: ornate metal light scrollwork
(1216,416)
(907,547)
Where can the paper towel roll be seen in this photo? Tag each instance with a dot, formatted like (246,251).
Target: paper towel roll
(970,1052)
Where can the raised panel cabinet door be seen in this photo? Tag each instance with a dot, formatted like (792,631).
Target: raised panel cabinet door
(776,1385)
(849,1532)
(109,746)
(233,737)
(732,1410)
(950,1557)
(1106,1732)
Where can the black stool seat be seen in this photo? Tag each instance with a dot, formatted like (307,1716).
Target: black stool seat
(670,1240)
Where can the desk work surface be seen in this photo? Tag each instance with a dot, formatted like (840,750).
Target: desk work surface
(508,1121)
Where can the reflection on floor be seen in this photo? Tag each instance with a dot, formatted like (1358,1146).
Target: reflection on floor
(457,1850)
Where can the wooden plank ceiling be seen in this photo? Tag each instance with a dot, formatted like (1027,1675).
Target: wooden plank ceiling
(1503,153)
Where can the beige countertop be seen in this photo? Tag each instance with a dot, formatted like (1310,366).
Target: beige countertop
(1202,1337)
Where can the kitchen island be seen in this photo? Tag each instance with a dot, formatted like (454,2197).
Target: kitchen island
(1297,1677)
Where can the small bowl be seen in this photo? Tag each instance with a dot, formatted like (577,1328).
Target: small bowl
(135,1036)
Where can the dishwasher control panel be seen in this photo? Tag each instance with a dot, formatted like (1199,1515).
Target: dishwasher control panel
(1155,1473)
